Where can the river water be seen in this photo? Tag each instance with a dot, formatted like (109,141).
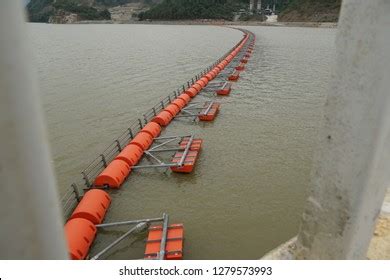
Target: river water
(248,188)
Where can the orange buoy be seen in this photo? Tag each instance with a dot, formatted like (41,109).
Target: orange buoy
(174,242)
(113,175)
(220,67)
(154,129)
(172,109)
(192,91)
(244,60)
(212,74)
(205,80)
(202,83)
(216,71)
(79,234)
(209,76)
(163,119)
(230,57)
(198,87)
(143,140)
(180,103)
(185,97)
(131,154)
(93,206)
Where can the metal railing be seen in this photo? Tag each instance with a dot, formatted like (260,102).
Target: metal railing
(89,174)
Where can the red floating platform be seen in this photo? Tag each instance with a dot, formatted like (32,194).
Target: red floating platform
(188,164)
(225,90)
(210,111)
(240,67)
(196,144)
(174,245)
(234,76)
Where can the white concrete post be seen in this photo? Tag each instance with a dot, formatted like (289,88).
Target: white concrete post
(251,5)
(352,168)
(258,5)
(31,226)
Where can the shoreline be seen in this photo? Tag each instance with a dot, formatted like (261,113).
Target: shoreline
(220,23)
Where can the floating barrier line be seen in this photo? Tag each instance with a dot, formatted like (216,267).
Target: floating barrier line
(112,167)
(97,165)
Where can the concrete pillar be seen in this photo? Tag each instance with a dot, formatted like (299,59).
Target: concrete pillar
(31,226)
(251,5)
(352,168)
(258,5)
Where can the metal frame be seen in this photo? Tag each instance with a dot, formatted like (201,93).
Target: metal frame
(194,110)
(139,225)
(153,152)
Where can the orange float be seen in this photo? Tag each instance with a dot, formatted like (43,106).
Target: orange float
(216,71)
(131,154)
(205,80)
(198,87)
(163,119)
(114,174)
(185,97)
(143,140)
(174,242)
(230,57)
(180,103)
(202,83)
(153,129)
(212,73)
(93,206)
(172,109)
(79,234)
(220,67)
(209,76)
(192,91)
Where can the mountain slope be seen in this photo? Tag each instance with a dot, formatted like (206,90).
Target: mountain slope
(311,11)
(45,10)
(194,9)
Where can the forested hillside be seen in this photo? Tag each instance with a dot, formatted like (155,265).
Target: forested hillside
(288,10)
(194,9)
(42,10)
(310,10)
